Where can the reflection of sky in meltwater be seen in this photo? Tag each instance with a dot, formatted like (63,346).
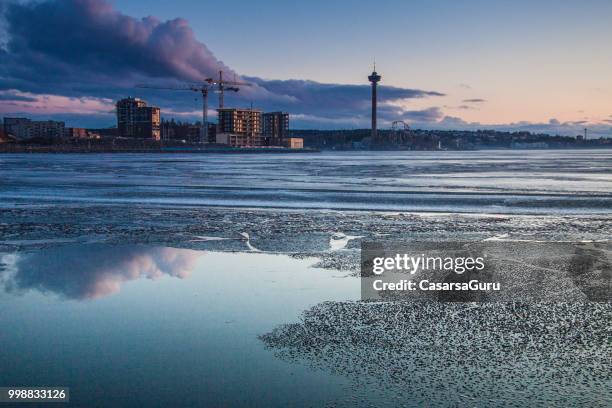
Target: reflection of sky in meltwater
(92,271)
(138,335)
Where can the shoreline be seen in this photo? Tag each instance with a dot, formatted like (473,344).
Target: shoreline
(166,150)
(8,148)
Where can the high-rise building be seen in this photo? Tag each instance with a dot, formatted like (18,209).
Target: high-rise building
(136,119)
(275,128)
(239,127)
(23,128)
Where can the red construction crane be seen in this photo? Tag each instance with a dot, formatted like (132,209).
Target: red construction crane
(203,88)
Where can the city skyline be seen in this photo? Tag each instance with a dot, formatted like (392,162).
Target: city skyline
(518,66)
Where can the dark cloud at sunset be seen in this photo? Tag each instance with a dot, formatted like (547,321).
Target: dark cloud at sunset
(71,59)
(105,53)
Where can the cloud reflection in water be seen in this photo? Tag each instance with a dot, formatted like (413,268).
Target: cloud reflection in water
(92,271)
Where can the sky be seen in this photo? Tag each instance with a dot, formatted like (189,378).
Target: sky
(543,66)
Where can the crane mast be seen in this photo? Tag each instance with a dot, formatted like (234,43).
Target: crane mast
(203,88)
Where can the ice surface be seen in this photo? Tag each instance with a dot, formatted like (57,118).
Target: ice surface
(324,206)
(526,182)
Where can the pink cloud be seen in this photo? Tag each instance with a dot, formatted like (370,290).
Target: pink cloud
(89,272)
(14,101)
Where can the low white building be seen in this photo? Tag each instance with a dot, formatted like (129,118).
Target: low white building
(23,128)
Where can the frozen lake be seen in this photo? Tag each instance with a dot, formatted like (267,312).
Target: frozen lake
(226,280)
(506,182)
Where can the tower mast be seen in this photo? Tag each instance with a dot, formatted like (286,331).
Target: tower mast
(374,78)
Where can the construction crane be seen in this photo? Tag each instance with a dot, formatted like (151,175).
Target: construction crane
(221,85)
(204,88)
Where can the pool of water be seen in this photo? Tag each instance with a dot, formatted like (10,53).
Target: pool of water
(158,326)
